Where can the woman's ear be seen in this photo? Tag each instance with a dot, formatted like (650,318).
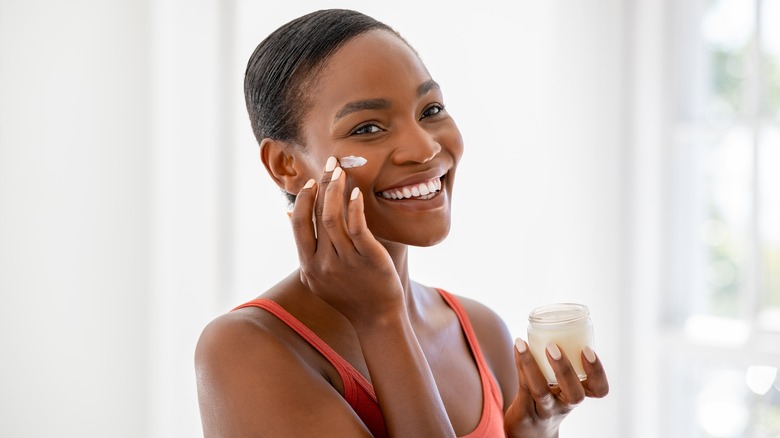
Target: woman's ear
(282,164)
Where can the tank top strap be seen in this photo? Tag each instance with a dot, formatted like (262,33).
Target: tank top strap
(349,375)
(489,385)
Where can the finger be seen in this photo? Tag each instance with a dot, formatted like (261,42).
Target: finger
(333,220)
(301,221)
(323,242)
(362,238)
(536,384)
(327,174)
(356,219)
(523,395)
(571,391)
(596,384)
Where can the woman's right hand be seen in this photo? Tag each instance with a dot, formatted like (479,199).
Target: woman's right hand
(340,260)
(343,263)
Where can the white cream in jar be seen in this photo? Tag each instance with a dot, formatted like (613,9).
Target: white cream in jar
(567,325)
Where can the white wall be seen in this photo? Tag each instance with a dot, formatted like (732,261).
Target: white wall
(189,147)
(134,208)
(74,218)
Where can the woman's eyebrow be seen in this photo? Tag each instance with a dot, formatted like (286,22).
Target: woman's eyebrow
(427,86)
(360,105)
(380,104)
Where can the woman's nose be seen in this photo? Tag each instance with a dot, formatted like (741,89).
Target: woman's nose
(416,145)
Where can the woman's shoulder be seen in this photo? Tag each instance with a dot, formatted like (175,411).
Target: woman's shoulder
(253,372)
(482,317)
(244,331)
(236,335)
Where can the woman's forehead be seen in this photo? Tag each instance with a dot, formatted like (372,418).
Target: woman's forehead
(376,64)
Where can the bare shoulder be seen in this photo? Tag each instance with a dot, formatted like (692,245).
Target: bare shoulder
(234,337)
(496,343)
(236,360)
(490,328)
(480,314)
(252,380)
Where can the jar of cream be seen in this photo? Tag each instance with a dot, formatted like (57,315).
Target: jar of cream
(567,325)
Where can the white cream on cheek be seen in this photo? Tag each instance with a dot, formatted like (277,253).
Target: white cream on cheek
(352,161)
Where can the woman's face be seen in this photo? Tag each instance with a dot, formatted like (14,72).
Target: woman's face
(375,99)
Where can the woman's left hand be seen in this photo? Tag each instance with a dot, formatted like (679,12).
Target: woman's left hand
(539,408)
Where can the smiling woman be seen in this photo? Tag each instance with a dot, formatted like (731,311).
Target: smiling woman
(348,344)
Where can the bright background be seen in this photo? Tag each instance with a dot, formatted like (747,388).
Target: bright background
(619,153)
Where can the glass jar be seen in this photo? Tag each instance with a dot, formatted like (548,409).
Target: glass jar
(567,325)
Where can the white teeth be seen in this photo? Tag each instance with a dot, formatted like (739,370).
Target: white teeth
(426,190)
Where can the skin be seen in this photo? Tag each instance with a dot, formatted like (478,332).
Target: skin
(353,287)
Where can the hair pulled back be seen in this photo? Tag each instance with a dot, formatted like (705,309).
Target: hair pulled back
(282,69)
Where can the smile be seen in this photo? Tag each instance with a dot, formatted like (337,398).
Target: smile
(424,190)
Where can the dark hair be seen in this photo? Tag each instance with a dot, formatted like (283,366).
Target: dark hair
(278,73)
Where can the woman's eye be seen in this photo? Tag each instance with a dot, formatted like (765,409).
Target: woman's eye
(432,111)
(366,129)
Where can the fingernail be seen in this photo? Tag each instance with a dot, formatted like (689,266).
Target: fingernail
(355,193)
(289,214)
(330,164)
(555,353)
(309,184)
(520,345)
(336,174)
(590,356)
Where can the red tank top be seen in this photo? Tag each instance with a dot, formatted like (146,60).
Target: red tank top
(359,393)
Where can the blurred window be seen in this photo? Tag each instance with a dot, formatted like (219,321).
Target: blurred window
(726,222)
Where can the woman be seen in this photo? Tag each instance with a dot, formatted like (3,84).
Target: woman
(348,345)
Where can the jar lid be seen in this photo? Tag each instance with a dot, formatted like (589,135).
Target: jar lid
(558,313)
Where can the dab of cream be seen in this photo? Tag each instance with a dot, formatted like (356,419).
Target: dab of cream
(352,161)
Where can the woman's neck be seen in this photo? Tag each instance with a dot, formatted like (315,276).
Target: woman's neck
(399,253)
